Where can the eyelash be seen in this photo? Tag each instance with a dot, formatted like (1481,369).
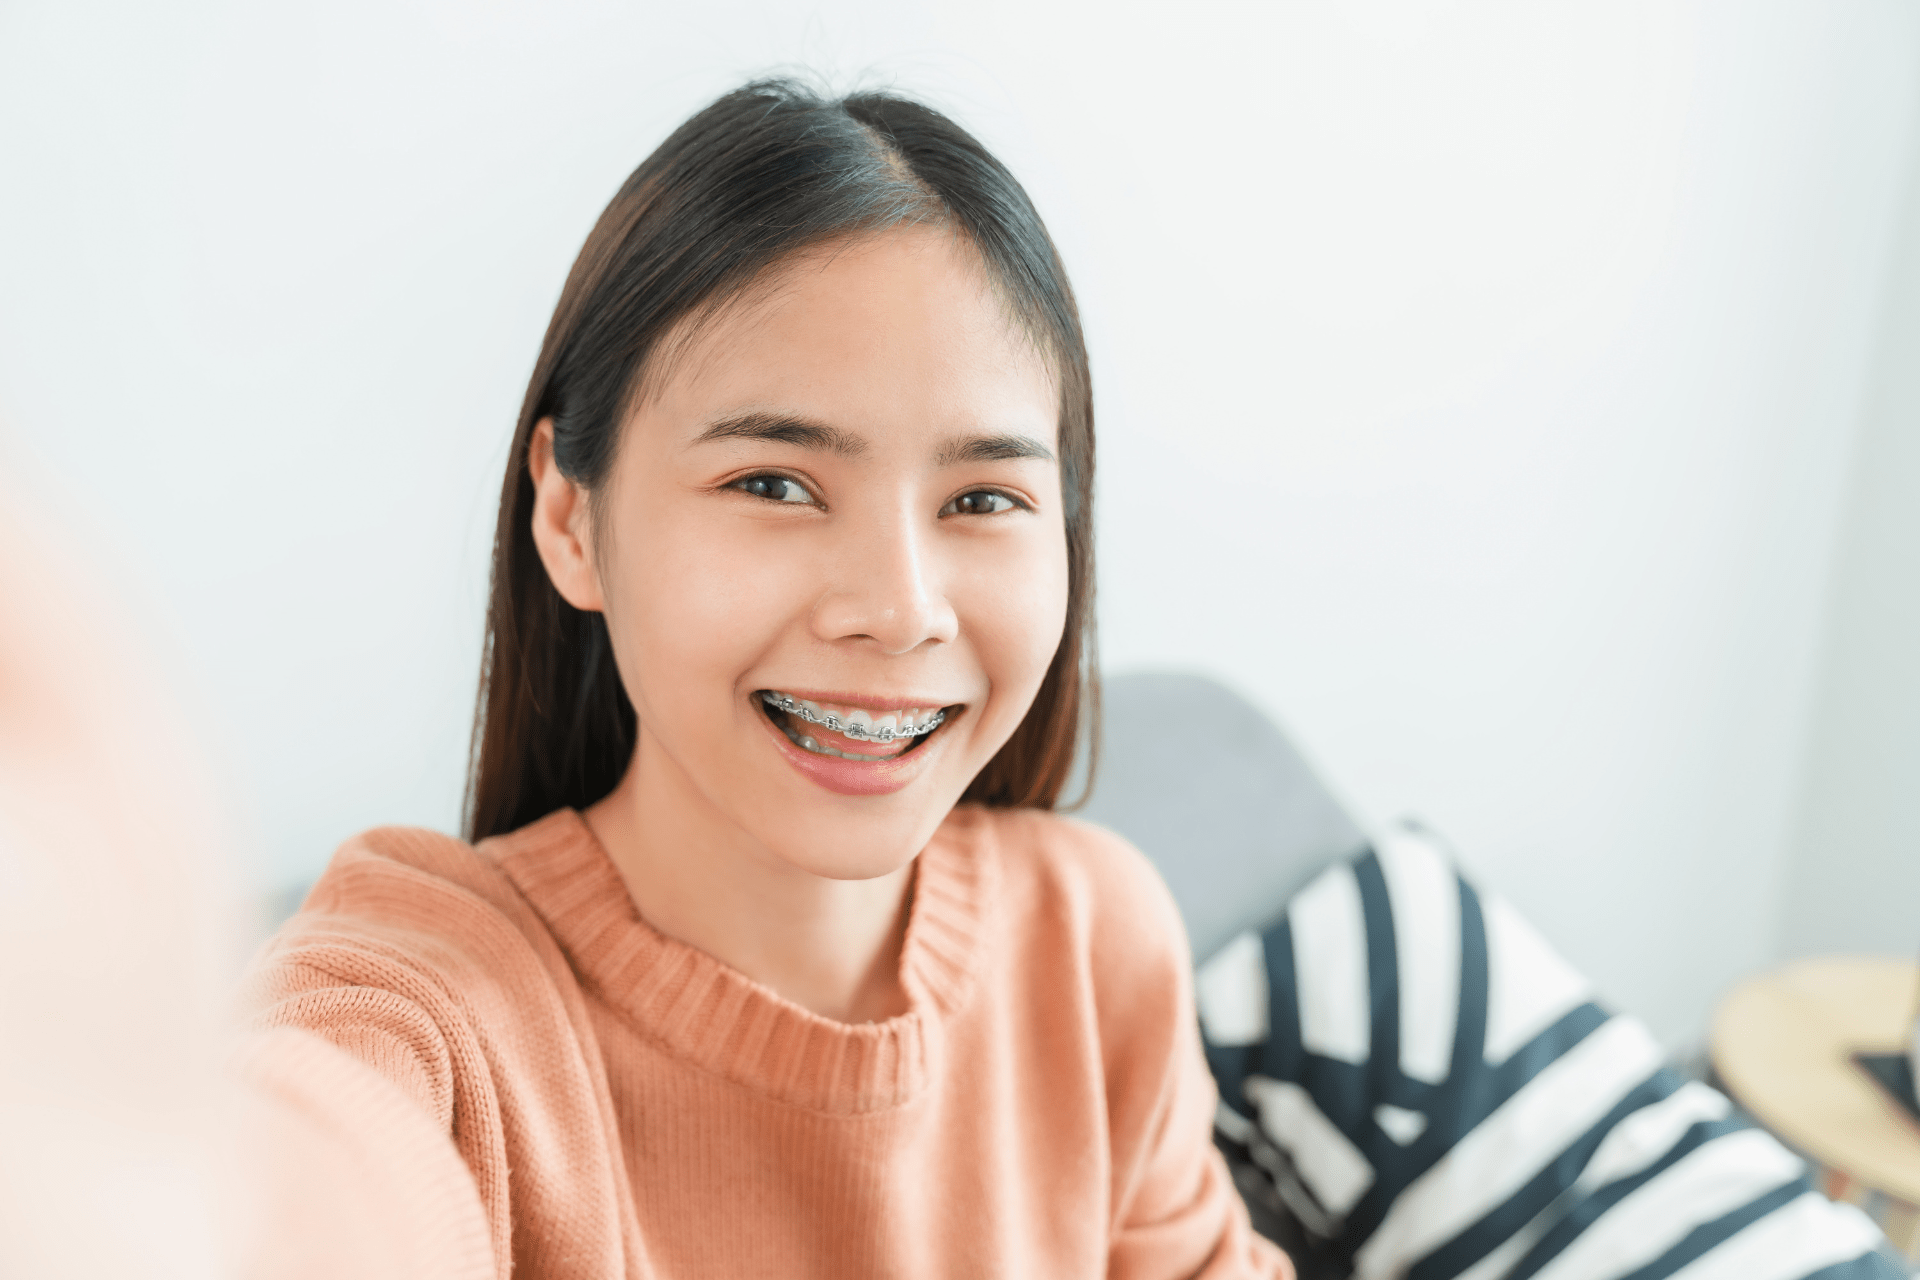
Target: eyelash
(952,507)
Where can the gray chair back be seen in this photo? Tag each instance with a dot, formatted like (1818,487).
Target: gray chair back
(1212,791)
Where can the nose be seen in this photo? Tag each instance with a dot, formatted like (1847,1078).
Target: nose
(886,586)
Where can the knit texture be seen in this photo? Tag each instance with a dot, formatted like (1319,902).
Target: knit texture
(585,1097)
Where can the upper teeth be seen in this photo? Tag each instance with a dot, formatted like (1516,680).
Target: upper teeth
(857,724)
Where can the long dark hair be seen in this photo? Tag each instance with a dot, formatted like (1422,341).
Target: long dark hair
(767,170)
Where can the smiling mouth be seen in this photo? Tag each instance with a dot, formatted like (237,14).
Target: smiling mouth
(827,730)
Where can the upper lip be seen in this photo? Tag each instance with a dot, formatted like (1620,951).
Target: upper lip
(864,702)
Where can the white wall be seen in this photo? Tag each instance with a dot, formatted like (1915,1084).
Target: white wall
(1854,882)
(1478,380)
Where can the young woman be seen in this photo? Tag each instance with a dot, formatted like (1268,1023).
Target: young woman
(767,957)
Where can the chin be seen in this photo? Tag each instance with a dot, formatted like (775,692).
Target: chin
(856,846)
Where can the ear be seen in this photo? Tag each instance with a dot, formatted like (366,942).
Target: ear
(562,530)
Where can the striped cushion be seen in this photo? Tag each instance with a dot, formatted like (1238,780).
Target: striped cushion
(1433,1093)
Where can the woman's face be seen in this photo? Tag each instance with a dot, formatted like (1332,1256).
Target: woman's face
(842,491)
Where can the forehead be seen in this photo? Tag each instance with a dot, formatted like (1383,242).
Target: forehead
(894,336)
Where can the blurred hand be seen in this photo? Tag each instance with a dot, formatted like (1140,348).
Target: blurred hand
(115,941)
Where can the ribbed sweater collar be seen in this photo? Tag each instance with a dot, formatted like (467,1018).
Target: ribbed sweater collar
(723,1022)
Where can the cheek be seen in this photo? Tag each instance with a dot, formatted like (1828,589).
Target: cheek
(1016,620)
(689,611)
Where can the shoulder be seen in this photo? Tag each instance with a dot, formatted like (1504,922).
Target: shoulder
(1065,855)
(415,952)
(1087,885)
(397,882)
(411,911)
(411,877)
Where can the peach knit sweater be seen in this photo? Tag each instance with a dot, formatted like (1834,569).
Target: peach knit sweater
(479,1062)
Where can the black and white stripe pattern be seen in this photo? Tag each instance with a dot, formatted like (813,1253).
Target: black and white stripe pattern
(1435,1094)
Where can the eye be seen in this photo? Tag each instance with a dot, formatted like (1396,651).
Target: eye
(776,489)
(980,502)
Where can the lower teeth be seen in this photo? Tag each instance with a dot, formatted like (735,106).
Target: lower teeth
(806,742)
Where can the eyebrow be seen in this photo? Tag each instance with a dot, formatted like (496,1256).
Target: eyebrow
(785,428)
(1002,448)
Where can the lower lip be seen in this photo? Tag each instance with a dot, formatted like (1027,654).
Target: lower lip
(852,777)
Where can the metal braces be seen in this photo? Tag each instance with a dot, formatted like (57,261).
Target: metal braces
(835,724)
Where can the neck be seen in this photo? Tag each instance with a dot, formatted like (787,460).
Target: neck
(830,946)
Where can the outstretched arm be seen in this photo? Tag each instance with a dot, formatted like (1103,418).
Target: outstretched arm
(124,1144)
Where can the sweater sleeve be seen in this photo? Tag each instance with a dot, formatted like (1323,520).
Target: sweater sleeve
(348,1175)
(1177,1212)
(1184,1217)
(348,1101)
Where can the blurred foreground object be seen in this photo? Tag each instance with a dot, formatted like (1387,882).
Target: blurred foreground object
(115,948)
(128,1148)
(1789,1047)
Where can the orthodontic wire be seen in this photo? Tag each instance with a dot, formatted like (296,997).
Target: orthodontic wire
(834,724)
